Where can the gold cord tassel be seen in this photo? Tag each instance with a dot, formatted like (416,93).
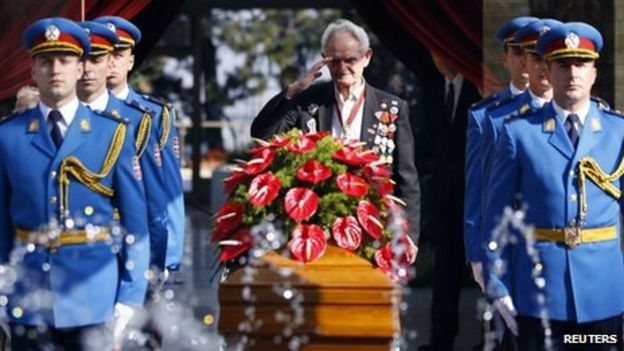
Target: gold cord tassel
(72,165)
(588,167)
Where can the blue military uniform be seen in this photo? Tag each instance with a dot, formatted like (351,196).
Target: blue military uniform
(56,207)
(572,202)
(164,135)
(146,146)
(476,117)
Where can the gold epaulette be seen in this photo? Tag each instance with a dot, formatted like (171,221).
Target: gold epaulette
(115,116)
(485,101)
(602,104)
(165,120)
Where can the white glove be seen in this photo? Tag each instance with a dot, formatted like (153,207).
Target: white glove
(123,315)
(477,274)
(506,308)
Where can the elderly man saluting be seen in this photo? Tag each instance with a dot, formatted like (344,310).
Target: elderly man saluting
(349,108)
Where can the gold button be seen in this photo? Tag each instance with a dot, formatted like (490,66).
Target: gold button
(88,210)
(53,199)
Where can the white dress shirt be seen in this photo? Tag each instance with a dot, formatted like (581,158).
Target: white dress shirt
(346,106)
(68,111)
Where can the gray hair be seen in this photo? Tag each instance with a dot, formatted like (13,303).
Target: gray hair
(345,26)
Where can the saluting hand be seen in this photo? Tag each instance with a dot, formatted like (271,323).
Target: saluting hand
(306,80)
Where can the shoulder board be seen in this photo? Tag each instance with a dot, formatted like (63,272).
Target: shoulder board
(8,117)
(136,105)
(524,109)
(485,101)
(613,112)
(156,100)
(602,104)
(500,103)
(114,116)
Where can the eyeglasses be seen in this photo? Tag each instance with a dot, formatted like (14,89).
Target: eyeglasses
(349,61)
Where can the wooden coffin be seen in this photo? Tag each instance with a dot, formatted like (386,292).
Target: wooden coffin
(345,303)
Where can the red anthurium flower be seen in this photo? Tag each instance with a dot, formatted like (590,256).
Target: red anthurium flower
(347,233)
(308,242)
(260,161)
(375,170)
(318,136)
(368,216)
(352,185)
(235,246)
(348,155)
(263,189)
(383,258)
(368,156)
(279,141)
(229,218)
(300,203)
(303,145)
(383,186)
(395,260)
(313,171)
(233,180)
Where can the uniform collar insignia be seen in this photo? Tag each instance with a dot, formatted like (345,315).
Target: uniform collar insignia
(115,114)
(84,125)
(549,126)
(33,126)
(524,109)
(595,125)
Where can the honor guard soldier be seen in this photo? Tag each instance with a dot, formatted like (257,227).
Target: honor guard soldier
(534,97)
(166,150)
(513,61)
(92,92)
(63,170)
(563,163)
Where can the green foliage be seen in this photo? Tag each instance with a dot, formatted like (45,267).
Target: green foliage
(282,42)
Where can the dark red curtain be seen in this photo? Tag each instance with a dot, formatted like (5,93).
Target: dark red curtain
(410,29)
(17,15)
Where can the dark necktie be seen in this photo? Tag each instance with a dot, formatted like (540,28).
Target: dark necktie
(571,124)
(449,103)
(54,118)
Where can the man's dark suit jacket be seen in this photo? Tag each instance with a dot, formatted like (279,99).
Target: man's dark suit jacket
(280,115)
(445,149)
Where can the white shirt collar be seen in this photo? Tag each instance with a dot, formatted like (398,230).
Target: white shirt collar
(563,114)
(355,94)
(539,101)
(68,110)
(515,91)
(123,94)
(99,104)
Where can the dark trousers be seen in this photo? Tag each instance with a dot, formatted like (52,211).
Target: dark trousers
(602,335)
(42,338)
(449,271)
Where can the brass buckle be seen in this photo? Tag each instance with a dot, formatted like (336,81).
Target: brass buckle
(54,242)
(572,236)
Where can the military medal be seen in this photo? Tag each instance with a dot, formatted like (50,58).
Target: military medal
(346,125)
(157,155)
